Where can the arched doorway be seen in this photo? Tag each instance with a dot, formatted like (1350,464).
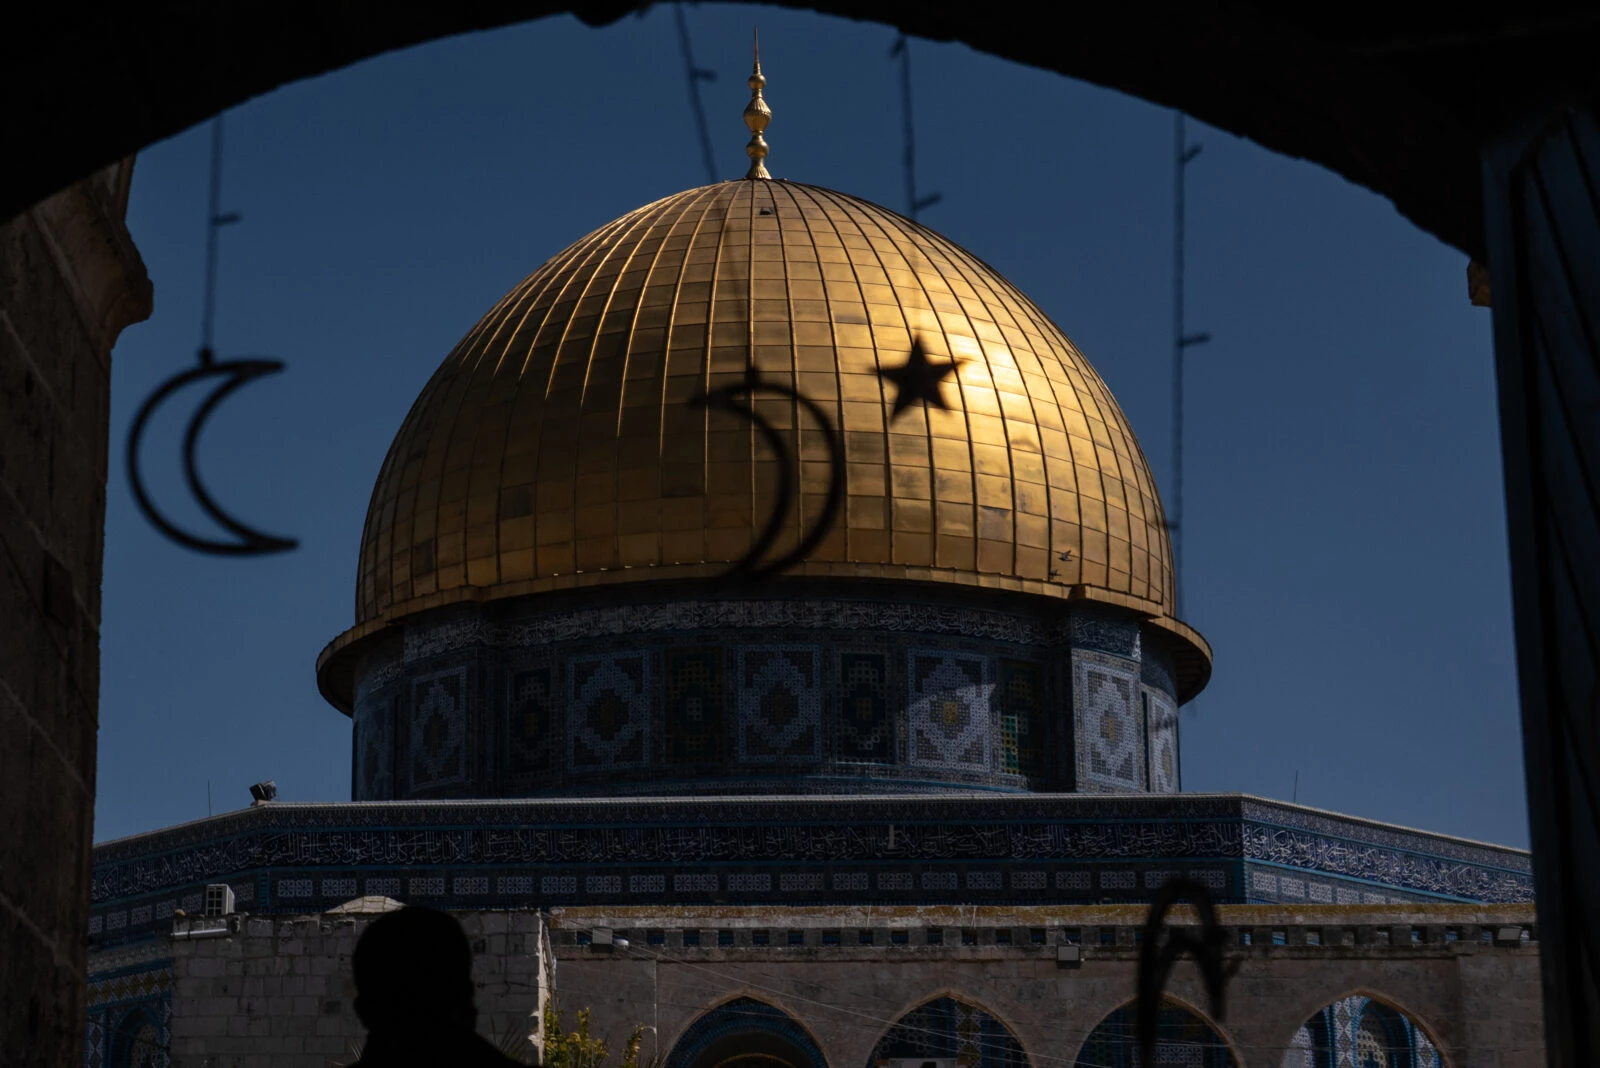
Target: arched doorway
(1183,1040)
(1359,1032)
(948,1033)
(745,1033)
(138,1042)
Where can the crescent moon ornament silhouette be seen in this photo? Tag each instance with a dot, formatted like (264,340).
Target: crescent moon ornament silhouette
(234,374)
(737,398)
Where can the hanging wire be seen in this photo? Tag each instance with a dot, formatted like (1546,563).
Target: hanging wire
(914,203)
(695,76)
(216,219)
(1183,155)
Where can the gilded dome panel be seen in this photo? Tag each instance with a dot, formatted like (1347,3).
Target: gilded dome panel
(560,444)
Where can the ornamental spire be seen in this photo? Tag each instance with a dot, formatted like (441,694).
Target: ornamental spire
(756,117)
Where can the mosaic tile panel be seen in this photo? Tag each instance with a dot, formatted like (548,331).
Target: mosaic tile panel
(609,709)
(865,723)
(534,706)
(1108,714)
(373,727)
(692,703)
(1161,728)
(438,736)
(129,1019)
(947,710)
(780,704)
(1022,718)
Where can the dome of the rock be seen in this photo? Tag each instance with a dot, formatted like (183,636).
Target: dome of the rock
(896,422)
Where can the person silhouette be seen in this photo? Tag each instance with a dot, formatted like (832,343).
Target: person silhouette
(413,973)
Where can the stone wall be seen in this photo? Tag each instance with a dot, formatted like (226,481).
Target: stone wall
(1477,1001)
(252,992)
(70,281)
(245,991)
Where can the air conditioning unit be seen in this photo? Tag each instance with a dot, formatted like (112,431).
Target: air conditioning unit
(219,899)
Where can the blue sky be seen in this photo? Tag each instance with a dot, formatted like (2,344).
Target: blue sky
(1345,546)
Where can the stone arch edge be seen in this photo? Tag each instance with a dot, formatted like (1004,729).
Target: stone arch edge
(1447,1057)
(1183,1003)
(743,992)
(908,1007)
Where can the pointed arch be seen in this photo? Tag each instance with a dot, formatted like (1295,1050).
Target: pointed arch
(1185,1036)
(1363,1029)
(744,1032)
(949,1030)
(138,1041)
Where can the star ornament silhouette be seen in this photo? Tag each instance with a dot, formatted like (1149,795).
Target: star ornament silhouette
(918,380)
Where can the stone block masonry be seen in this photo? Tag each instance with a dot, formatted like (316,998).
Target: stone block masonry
(70,281)
(279,990)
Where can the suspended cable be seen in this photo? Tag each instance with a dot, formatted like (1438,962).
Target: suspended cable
(695,75)
(215,221)
(1183,155)
(914,203)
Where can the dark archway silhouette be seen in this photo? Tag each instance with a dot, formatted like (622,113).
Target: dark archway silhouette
(1400,105)
(1479,127)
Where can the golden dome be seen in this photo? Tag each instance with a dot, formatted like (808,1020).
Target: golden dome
(559,445)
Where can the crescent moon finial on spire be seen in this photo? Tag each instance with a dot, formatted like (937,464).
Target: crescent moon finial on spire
(756,117)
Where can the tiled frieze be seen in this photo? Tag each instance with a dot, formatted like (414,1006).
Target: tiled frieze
(1017,848)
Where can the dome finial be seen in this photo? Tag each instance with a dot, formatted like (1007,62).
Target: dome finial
(756,117)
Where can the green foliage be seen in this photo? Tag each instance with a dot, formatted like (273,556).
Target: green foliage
(580,1048)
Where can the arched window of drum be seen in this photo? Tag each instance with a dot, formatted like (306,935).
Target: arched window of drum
(1183,1040)
(1358,1032)
(950,1034)
(1022,719)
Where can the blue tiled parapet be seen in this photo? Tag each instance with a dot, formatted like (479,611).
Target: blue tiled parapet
(929,849)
